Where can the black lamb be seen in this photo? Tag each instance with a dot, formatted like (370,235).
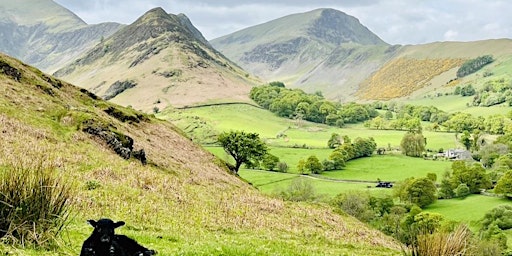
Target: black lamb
(104,242)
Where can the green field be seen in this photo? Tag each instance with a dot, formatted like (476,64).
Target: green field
(204,122)
(470,209)
(389,168)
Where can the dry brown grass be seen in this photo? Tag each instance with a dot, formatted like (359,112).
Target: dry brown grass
(456,243)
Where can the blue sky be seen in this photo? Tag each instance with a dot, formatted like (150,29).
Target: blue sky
(395,21)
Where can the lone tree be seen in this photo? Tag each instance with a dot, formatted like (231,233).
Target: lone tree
(243,147)
(413,144)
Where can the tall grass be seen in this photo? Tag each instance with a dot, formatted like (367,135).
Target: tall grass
(34,202)
(455,243)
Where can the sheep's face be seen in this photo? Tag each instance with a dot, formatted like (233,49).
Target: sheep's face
(104,229)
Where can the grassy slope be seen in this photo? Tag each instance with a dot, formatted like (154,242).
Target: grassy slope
(168,205)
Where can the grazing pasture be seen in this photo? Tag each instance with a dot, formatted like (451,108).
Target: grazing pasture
(389,168)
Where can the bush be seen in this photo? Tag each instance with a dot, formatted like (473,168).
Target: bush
(356,204)
(299,190)
(282,167)
(269,162)
(35,203)
(462,191)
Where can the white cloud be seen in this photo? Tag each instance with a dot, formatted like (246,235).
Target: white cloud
(450,35)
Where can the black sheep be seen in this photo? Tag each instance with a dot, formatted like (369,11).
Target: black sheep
(104,242)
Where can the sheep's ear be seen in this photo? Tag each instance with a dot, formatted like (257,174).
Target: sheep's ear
(118,224)
(92,222)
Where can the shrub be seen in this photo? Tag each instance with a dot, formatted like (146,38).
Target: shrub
(282,167)
(299,190)
(356,204)
(462,191)
(35,203)
(92,185)
(269,162)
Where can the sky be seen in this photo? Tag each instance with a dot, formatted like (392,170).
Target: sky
(394,21)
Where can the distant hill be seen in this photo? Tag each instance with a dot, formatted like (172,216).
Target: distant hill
(183,201)
(329,51)
(45,34)
(159,60)
(323,49)
(427,69)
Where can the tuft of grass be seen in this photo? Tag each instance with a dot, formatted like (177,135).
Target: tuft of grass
(454,243)
(34,202)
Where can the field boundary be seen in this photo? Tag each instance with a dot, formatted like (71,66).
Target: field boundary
(219,104)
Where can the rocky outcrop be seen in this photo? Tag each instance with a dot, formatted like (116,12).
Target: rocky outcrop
(120,143)
(117,88)
(7,69)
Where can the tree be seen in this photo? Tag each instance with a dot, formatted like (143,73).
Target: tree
(338,159)
(334,141)
(466,140)
(504,185)
(313,165)
(474,176)
(501,216)
(277,84)
(421,191)
(243,147)
(269,162)
(446,190)
(413,144)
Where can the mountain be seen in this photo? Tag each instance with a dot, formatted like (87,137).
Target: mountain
(329,51)
(45,34)
(183,200)
(313,50)
(159,60)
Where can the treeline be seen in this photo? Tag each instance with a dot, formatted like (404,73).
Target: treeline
(345,150)
(295,103)
(494,92)
(409,118)
(473,65)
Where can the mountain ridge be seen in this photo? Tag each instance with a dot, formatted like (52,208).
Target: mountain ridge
(168,62)
(294,48)
(47,35)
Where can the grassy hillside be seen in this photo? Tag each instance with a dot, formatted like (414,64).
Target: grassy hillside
(183,202)
(424,71)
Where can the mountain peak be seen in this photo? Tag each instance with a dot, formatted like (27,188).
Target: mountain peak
(337,27)
(155,13)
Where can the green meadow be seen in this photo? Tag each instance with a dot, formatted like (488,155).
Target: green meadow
(281,132)
(469,209)
(292,140)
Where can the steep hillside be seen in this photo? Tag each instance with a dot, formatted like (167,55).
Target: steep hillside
(417,70)
(45,34)
(181,202)
(157,61)
(324,49)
